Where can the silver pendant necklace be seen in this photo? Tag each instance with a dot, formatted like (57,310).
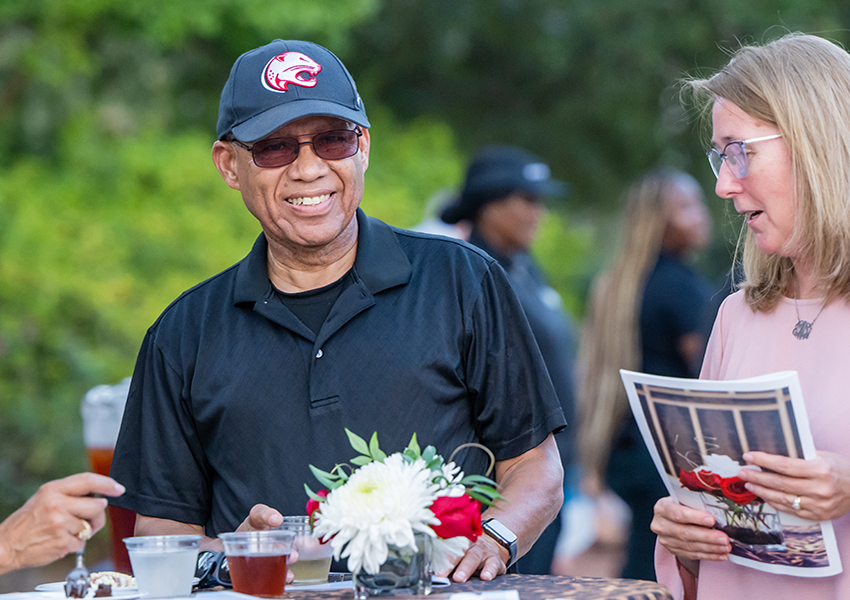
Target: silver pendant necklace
(803,329)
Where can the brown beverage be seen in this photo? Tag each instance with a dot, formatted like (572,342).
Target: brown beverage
(122,522)
(263,576)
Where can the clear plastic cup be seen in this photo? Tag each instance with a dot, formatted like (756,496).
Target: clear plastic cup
(314,557)
(164,565)
(257,561)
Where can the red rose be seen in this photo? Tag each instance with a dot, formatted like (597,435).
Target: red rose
(314,506)
(459,515)
(733,488)
(699,480)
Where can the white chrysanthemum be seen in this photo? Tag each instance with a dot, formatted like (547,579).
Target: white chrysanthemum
(380,504)
(443,550)
(451,485)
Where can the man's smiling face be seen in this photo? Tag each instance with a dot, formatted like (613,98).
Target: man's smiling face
(309,204)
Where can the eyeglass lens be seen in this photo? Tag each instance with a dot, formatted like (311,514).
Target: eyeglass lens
(328,145)
(735,156)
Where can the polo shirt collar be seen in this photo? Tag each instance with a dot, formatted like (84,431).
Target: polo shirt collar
(252,277)
(380,262)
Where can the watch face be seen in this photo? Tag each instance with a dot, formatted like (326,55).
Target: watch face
(505,535)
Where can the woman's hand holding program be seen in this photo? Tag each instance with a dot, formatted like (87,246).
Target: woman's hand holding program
(822,484)
(688,533)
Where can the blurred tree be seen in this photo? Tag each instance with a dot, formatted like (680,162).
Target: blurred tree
(138,62)
(588,84)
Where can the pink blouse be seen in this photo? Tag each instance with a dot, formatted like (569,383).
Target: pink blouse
(744,344)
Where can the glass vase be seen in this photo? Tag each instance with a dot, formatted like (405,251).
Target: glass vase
(754,526)
(403,572)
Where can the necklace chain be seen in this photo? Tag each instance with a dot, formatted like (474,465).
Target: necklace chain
(803,329)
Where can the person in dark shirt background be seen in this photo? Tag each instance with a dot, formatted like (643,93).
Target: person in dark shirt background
(502,198)
(645,313)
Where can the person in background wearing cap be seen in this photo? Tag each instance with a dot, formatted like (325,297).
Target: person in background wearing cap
(56,520)
(334,320)
(502,198)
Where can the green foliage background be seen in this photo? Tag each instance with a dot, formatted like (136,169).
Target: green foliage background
(110,205)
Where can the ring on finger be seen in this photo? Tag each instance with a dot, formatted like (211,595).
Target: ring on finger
(85,533)
(796,504)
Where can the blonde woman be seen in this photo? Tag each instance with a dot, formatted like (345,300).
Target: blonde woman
(781,151)
(646,313)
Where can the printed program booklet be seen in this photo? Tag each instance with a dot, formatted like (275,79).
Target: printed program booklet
(697,432)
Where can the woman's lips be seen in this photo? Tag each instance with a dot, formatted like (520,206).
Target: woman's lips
(753,215)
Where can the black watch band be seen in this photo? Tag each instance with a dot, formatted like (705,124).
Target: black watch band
(503,536)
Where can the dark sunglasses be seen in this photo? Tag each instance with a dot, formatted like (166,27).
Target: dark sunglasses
(212,570)
(328,145)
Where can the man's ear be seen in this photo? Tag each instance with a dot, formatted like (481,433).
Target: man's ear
(225,159)
(365,144)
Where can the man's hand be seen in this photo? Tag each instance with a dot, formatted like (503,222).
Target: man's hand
(533,487)
(54,520)
(261,517)
(485,557)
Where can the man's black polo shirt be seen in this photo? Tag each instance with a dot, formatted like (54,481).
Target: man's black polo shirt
(233,397)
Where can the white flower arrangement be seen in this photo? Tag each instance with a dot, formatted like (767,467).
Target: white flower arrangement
(388,499)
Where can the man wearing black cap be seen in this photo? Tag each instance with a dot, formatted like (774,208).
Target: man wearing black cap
(334,320)
(502,198)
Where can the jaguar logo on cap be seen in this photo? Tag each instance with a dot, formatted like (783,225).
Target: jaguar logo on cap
(290,68)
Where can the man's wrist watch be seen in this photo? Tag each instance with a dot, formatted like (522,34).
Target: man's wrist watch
(503,536)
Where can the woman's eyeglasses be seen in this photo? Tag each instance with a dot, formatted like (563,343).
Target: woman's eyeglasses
(328,145)
(735,155)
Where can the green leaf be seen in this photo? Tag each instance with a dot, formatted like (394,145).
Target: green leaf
(435,463)
(361,460)
(329,480)
(357,442)
(474,479)
(481,498)
(310,493)
(429,453)
(374,449)
(485,490)
(413,446)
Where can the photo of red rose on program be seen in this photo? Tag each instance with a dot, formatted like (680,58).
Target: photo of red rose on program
(700,434)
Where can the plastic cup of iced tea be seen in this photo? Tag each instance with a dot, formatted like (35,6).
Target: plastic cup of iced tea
(314,557)
(164,565)
(258,561)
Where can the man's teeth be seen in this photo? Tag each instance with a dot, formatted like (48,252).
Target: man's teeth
(309,201)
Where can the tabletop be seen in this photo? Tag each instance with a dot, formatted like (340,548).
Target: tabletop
(529,587)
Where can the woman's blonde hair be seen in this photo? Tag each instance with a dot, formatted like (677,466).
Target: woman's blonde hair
(801,85)
(610,338)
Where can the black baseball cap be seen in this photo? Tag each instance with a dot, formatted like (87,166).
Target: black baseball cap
(282,81)
(497,172)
